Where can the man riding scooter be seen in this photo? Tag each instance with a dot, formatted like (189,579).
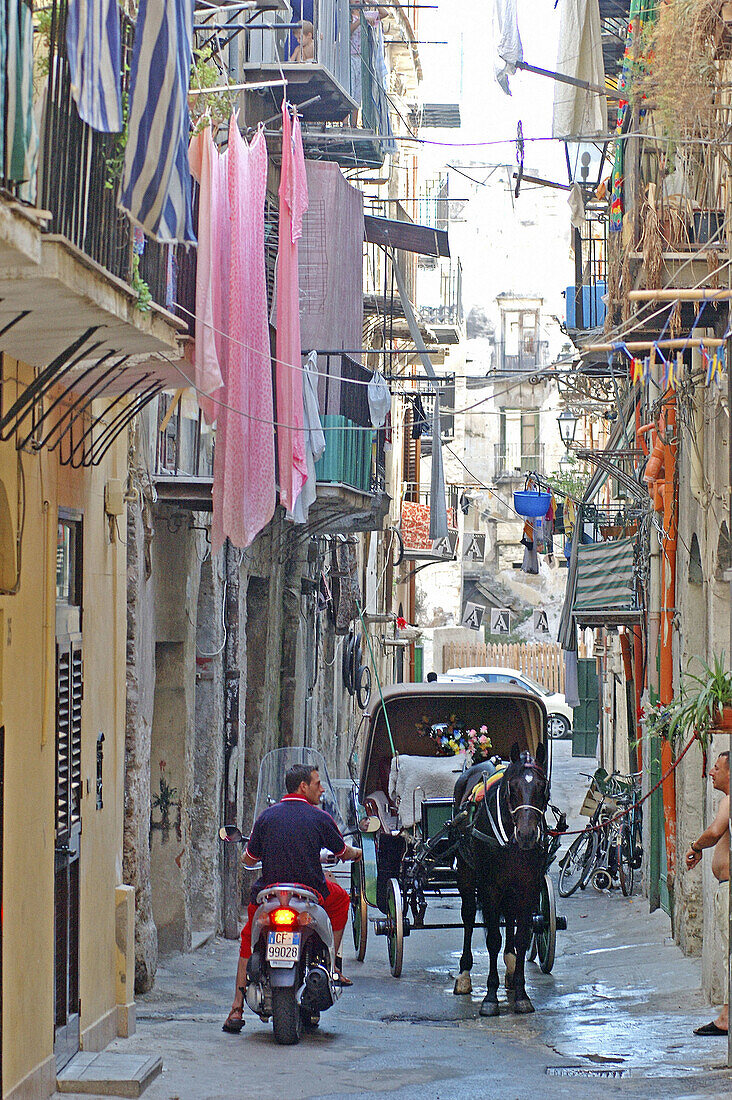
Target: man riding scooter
(287,838)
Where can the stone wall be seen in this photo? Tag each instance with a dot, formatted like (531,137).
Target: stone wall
(140,700)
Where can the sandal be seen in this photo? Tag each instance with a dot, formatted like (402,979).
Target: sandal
(234,1021)
(341,979)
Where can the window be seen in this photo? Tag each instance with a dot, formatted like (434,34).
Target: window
(68,561)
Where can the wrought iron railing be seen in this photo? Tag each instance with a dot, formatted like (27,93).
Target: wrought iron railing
(79,171)
(271,36)
(185,448)
(513,461)
(354,449)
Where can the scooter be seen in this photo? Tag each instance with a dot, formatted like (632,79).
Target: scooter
(290,975)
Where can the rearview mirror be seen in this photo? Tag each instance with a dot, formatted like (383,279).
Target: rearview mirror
(369,825)
(230,832)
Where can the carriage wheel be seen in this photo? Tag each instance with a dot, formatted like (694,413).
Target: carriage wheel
(546,940)
(359,910)
(395,927)
(531,953)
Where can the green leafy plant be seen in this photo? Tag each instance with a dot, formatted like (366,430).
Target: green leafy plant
(702,699)
(138,284)
(573,481)
(207,72)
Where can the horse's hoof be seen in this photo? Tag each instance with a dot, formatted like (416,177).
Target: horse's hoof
(523,1006)
(489,1008)
(463,985)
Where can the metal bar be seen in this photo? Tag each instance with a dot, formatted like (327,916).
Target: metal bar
(610,93)
(647,345)
(44,379)
(682,294)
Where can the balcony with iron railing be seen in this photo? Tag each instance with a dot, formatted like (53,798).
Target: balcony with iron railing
(317,69)
(585,300)
(415,523)
(513,462)
(351,476)
(446,320)
(364,138)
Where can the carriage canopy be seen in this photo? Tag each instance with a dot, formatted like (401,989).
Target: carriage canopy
(418,712)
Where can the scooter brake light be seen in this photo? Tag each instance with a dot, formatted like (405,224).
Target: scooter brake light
(283,918)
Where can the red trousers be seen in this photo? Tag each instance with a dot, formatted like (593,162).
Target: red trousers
(336,905)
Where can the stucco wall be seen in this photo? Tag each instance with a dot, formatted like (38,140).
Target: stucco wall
(27,692)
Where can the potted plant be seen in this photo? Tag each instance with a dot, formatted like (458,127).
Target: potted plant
(706,700)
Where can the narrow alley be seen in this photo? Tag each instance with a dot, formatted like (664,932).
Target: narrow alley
(615,1016)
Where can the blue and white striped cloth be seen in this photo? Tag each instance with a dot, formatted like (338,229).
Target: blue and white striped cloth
(156,182)
(93,49)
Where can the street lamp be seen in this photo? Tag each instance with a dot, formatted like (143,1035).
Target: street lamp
(585,162)
(567,422)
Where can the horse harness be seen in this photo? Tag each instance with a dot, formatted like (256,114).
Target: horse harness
(498,838)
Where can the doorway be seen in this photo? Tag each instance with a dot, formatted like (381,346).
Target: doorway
(69,693)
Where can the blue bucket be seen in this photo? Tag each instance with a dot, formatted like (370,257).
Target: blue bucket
(530,503)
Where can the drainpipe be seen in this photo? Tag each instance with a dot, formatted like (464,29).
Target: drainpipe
(230,854)
(668,572)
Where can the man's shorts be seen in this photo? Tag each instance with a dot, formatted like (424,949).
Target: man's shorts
(721,910)
(336,905)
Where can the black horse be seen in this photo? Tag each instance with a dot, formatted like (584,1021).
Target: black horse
(500,867)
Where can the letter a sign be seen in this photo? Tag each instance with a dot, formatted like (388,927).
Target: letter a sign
(473,616)
(541,623)
(500,620)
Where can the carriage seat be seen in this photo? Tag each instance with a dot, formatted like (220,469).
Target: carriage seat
(413,778)
(377,805)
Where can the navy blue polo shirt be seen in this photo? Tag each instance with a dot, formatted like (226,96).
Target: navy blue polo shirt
(287,837)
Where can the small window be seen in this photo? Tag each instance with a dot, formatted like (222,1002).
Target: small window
(68,562)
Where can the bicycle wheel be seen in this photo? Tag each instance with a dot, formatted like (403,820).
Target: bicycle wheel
(625,863)
(576,866)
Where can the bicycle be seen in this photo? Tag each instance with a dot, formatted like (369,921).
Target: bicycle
(611,853)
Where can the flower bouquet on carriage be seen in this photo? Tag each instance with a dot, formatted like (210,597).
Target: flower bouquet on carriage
(454,737)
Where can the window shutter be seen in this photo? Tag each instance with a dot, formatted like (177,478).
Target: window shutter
(69,692)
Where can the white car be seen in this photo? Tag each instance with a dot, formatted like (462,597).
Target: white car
(560,715)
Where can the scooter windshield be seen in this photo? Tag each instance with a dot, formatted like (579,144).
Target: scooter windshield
(271,784)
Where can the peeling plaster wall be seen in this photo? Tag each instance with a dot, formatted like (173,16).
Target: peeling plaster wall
(140,700)
(704,609)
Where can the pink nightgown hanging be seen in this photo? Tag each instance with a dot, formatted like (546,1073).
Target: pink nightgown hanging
(244,472)
(293,193)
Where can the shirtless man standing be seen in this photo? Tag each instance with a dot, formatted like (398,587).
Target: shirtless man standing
(718,835)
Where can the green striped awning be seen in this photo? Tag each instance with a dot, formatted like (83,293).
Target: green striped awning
(605,576)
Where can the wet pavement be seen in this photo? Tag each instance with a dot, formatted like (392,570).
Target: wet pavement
(614,1018)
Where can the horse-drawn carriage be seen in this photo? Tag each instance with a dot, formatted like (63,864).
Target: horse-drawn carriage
(414,831)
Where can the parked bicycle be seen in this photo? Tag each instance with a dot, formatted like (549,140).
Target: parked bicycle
(609,849)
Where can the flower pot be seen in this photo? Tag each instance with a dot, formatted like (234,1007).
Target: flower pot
(725,722)
(708,226)
(530,503)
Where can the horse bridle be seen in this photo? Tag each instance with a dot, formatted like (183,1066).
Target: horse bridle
(527,806)
(497,824)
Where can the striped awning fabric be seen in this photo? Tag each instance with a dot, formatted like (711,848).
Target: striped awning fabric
(605,576)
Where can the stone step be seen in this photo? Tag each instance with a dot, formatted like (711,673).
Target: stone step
(102,1073)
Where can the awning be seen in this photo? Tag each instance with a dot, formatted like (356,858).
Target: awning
(579,112)
(605,577)
(422,239)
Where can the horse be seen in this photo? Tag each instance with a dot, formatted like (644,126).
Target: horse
(500,867)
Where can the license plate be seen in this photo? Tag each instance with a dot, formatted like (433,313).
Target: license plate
(283,948)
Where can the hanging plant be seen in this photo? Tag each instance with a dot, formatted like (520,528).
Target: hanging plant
(705,702)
